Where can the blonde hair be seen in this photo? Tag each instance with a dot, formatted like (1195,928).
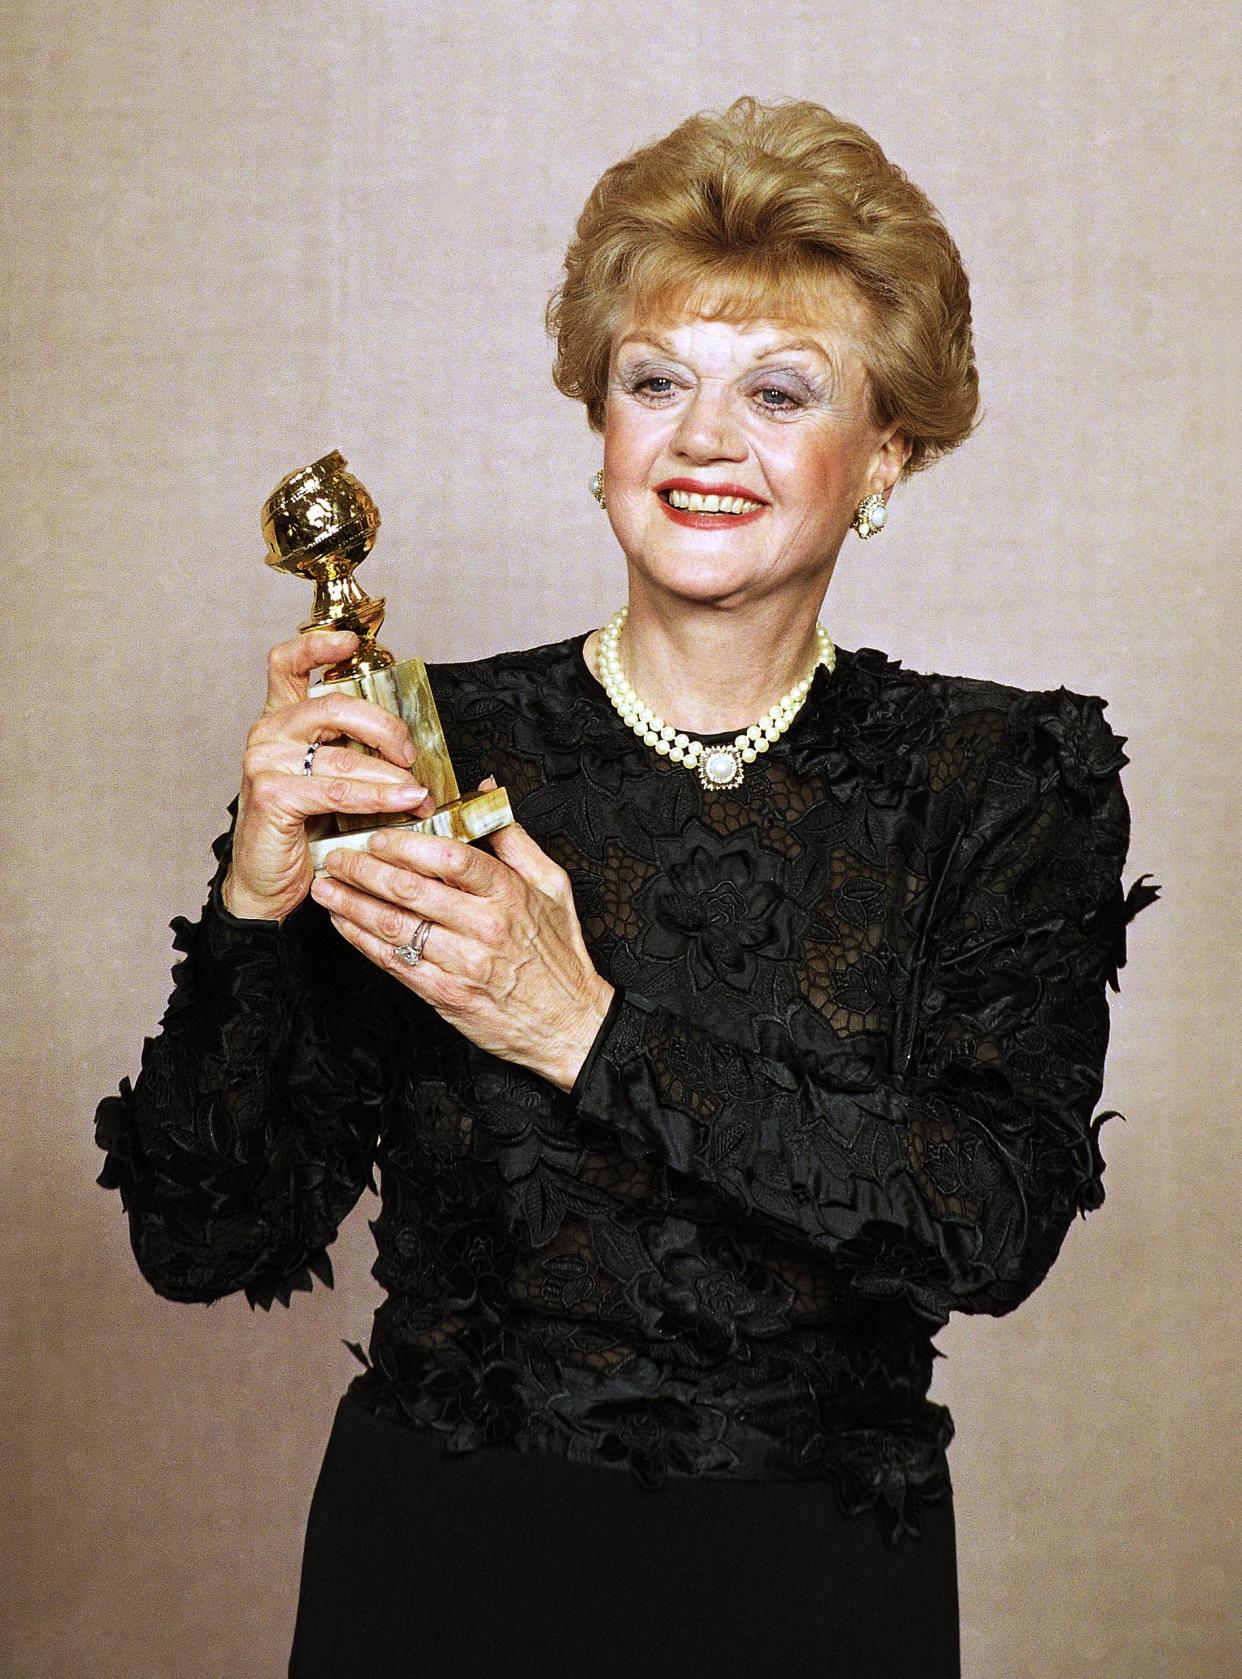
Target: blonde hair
(743,215)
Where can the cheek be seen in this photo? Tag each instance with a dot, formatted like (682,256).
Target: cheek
(633,437)
(814,467)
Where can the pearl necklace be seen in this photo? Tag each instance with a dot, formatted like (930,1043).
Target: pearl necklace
(717,766)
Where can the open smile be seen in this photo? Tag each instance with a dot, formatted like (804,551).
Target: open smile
(707,507)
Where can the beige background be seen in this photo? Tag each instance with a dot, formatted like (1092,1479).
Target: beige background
(237,234)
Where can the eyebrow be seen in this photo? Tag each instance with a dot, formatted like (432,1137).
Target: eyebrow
(658,343)
(794,344)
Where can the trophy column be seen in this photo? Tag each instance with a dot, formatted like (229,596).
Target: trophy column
(320,523)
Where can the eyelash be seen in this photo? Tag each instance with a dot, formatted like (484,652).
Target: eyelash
(793,402)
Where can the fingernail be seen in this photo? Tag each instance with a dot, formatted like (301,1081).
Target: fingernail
(378,842)
(407,752)
(412,795)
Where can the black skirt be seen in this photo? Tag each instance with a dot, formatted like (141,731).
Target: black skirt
(419,1565)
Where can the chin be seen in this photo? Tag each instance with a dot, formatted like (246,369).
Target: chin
(697,578)
(702,567)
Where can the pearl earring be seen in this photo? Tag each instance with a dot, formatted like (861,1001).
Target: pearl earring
(870,516)
(597,488)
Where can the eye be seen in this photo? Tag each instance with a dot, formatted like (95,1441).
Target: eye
(655,384)
(776,397)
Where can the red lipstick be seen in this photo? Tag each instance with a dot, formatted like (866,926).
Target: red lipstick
(708,521)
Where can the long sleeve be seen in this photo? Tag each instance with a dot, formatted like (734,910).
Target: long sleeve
(953,1179)
(251,1129)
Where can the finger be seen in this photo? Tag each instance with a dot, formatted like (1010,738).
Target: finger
(374,915)
(450,860)
(526,857)
(382,953)
(417,894)
(290,663)
(329,716)
(388,922)
(295,797)
(288,757)
(427,977)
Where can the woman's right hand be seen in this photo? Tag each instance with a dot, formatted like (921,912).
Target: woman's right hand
(270,871)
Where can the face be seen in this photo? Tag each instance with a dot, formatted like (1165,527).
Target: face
(772,415)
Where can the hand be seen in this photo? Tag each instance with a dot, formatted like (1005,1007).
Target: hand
(270,872)
(504,961)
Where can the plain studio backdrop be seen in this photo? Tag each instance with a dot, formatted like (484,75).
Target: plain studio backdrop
(237,235)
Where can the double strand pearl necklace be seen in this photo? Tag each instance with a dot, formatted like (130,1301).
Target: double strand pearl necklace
(717,766)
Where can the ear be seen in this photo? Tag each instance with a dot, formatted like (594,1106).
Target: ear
(887,463)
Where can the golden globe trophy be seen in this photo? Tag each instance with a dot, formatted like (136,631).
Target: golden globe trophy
(320,523)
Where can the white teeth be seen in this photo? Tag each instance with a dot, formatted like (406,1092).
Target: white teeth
(689,501)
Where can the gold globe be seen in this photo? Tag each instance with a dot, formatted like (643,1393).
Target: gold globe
(320,523)
(319,519)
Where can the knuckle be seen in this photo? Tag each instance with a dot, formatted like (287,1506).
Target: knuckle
(442,856)
(406,886)
(339,790)
(491,928)
(343,712)
(390,924)
(264,788)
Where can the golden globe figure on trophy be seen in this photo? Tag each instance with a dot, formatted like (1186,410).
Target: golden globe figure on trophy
(320,523)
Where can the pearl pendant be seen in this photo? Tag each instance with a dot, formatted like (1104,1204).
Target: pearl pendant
(721,766)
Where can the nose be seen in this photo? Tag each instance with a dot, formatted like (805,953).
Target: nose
(708,430)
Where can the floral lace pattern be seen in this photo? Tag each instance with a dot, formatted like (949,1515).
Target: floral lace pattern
(846,1086)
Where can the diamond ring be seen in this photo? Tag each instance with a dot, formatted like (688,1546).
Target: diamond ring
(412,954)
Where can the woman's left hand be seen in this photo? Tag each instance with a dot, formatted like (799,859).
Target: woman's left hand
(504,961)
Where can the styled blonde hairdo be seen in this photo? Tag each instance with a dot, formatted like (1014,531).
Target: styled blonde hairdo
(742,215)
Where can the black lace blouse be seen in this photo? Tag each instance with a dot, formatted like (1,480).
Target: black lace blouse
(846,1086)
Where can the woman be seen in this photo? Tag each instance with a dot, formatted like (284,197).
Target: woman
(769,1036)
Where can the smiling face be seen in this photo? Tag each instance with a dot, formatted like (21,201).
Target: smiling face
(770,416)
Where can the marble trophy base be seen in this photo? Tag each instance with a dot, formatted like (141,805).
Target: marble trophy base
(404,689)
(465,819)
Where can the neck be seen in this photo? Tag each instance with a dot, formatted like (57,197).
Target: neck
(708,670)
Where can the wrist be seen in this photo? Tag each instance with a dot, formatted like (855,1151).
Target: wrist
(243,906)
(565,1075)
